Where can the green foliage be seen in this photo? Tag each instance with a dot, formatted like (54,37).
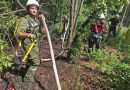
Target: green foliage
(106,65)
(6,22)
(127,36)
(116,72)
(5,61)
(119,76)
(109,7)
(80,38)
(80,20)
(116,5)
(82,33)
(98,55)
(56,9)
(56,30)
(77,46)
(65,7)
(120,43)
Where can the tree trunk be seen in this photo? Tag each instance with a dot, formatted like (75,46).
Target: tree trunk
(74,12)
(124,15)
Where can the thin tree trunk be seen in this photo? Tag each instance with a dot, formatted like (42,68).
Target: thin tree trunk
(80,5)
(74,12)
(71,21)
(127,23)
(124,15)
(75,9)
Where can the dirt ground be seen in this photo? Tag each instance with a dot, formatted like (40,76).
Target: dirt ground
(72,76)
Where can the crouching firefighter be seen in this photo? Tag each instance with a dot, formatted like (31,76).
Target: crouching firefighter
(29,30)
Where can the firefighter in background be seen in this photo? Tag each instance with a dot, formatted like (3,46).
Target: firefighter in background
(97,33)
(113,26)
(65,30)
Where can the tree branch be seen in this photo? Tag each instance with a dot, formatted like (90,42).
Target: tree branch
(20,4)
(12,12)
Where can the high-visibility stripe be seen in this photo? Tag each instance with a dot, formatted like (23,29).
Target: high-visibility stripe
(19,42)
(16,28)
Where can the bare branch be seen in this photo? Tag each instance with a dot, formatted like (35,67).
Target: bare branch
(20,4)
(12,12)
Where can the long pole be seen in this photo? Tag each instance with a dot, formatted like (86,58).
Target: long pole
(53,58)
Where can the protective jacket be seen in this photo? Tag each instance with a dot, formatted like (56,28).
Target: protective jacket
(99,26)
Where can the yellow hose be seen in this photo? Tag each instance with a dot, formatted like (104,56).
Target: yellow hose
(16,28)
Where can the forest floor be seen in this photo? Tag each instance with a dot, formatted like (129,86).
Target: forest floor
(78,75)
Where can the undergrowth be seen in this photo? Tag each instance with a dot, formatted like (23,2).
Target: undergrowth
(116,70)
(5,60)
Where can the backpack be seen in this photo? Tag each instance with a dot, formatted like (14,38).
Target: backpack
(12,32)
(20,54)
(15,28)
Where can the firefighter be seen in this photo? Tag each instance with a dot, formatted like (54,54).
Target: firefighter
(65,30)
(98,29)
(113,26)
(31,27)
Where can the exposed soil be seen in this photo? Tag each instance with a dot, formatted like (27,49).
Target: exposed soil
(72,76)
(78,75)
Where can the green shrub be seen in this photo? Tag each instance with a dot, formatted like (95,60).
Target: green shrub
(56,30)
(5,61)
(116,72)
(98,55)
(119,78)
